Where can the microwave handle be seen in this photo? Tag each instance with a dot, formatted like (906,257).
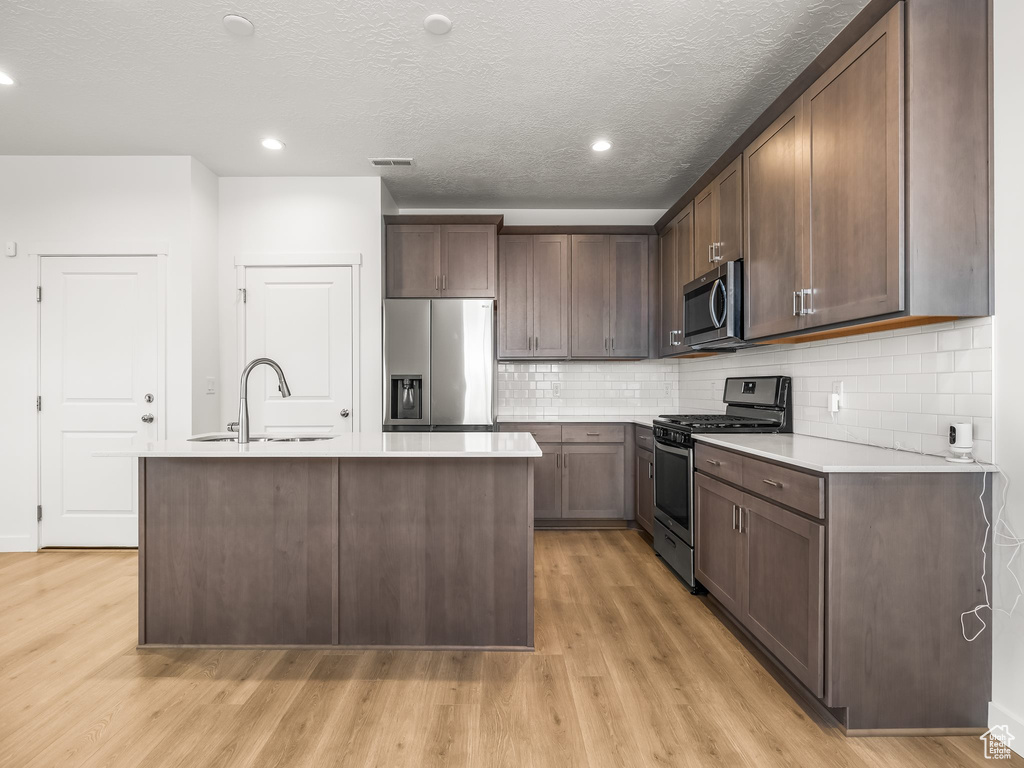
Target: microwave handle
(717,321)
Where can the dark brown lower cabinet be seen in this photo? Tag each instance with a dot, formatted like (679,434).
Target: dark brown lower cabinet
(645,490)
(718,545)
(783,580)
(547,483)
(592,480)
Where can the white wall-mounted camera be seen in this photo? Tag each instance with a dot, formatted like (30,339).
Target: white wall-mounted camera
(961,443)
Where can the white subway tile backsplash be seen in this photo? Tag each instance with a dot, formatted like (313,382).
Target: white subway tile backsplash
(902,388)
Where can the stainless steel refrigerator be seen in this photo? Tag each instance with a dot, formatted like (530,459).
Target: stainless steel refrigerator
(439,365)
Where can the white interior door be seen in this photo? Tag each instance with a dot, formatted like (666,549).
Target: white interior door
(99,357)
(301,317)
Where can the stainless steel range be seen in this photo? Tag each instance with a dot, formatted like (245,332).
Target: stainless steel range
(753,404)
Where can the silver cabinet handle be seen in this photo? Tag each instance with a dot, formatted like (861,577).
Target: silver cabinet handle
(613,343)
(794,304)
(734,509)
(529,343)
(593,434)
(773,483)
(558,463)
(437,282)
(565,460)
(650,470)
(805,294)
(741,511)
(605,343)
(713,463)
(711,253)
(718,251)
(672,337)
(344,413)
(536,343)
(444,282)
(148,418)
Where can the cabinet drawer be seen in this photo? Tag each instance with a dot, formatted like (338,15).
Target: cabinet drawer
(645,438)
(593,433)
(790,487)
(723,464)
(542,433)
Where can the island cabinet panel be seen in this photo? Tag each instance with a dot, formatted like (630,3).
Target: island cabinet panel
(436,552)
(240,551)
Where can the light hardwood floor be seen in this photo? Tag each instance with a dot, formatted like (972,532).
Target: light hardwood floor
(630,670)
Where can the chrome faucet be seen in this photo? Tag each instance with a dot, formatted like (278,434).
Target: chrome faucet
(243,389)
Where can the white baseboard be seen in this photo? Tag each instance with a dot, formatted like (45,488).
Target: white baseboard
(998,715)
(16,544)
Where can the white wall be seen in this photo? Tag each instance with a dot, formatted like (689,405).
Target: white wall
(288,216)
(82,203)
(203,226)
(540,217)
(1008,633)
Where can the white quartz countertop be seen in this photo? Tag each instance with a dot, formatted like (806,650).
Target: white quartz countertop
(371,445)
(835,456)
(585,418)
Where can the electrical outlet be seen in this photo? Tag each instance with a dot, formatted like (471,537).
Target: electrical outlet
(556,389)
(835,400)
(666,390)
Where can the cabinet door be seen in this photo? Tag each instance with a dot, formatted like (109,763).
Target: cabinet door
(515,302)
(468,264)
(592,481)
(783,591)
(547,482)
(704,231)
(550,295)
(645,490)
(668,313)
(856,160)
(628,293)
(590,312)
(729,212)
(717,542)
(413,261)
(777,181)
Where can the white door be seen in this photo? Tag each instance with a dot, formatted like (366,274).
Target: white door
(99,357)
(301,317)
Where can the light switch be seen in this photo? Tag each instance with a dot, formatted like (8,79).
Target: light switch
(211,385)
(11,248)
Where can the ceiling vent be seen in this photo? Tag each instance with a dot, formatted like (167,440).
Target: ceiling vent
(391,162)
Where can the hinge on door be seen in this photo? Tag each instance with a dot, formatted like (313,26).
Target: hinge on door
(39,513)
(39,293)
(244,297)
(39,402)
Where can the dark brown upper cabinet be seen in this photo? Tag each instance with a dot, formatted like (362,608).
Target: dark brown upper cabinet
(718,220)
(413,263)
(675,269)
(533,302)
(854,135)
(777,261)
(441,260)
(609,296)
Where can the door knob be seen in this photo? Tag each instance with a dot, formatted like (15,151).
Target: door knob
(344,413)
(148,418)
(148,398)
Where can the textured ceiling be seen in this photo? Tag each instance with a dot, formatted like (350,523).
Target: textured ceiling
(500,112)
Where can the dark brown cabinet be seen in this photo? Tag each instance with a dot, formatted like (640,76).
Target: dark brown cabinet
(675,269)
(533,302)
(855,153)
(645,490)
(718,220)
(592,480)
(609,296)
(718,543)
(441,260)
(547,483)
(783,587)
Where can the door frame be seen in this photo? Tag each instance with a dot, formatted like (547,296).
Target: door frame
(92,249)
(288,260)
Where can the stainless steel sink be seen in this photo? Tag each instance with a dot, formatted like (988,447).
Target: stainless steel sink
(260,439)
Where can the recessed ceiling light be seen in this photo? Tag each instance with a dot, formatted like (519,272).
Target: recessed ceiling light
(238,25)
(601,146)
(436,24)
(270,143)
(6,79)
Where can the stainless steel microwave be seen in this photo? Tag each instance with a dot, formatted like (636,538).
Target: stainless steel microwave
(713,309)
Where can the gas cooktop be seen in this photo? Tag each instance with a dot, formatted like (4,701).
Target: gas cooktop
(753,404)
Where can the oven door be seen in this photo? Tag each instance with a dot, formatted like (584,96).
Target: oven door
(673,489)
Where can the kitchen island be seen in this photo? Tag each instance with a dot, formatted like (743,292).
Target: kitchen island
(409,540)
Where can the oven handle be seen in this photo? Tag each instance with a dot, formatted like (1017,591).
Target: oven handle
(671,449)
